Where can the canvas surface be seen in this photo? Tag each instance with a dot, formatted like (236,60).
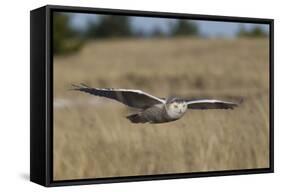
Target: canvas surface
(93,139)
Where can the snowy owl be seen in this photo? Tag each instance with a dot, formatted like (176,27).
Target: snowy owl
(154,109)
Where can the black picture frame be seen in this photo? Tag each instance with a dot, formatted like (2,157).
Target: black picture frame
(41,95)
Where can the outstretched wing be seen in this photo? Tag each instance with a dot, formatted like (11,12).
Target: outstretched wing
(130,97)
(210,104)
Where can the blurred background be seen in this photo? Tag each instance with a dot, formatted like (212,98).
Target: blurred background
(164,57)
(71,30)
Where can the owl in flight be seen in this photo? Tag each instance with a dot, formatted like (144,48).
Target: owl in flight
(154,109)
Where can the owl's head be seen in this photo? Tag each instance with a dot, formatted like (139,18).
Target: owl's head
(175,107)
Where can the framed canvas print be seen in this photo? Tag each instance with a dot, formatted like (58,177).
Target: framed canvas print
(124,95)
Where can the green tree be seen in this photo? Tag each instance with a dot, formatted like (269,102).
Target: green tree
(183,27)
(241,31)
(157,32)
(256,31)
(65,39)
(110,26)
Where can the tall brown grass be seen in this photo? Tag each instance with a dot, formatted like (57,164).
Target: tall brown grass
(92,139)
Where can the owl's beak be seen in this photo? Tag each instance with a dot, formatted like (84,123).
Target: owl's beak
(182,111)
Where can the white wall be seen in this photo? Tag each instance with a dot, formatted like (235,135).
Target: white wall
(14,94)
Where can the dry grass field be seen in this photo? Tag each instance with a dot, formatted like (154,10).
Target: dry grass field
(93,139)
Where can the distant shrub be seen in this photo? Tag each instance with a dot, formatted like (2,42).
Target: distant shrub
(183,27)
(256,31)
(157,32)
(109,26)
(65,39)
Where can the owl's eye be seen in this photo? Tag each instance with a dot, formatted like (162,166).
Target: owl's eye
(176,106)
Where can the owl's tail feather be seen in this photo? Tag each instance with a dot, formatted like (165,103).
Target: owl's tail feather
(137,118)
